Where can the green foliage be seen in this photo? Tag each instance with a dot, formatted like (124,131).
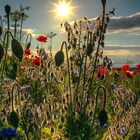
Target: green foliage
(78,127)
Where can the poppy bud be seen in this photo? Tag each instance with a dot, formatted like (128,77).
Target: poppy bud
(59,58)
(1,52)
(13,119)
(7,9)
(1,31)
(103,2)
(102,116)
(17,49)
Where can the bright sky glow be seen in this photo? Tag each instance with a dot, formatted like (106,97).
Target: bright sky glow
(63,9)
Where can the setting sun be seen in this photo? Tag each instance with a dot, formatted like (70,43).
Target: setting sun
(63,9)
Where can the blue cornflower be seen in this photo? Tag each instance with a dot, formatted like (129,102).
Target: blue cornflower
(8,132)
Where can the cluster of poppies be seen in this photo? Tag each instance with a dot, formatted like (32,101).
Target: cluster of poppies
(36,60)
(126,69)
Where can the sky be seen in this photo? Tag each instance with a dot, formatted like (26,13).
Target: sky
(122,42)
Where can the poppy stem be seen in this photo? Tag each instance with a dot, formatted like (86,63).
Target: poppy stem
(22,15)
(27,38)
(68,65)
(96,55)
(96,102)
(6,50)
(19,98)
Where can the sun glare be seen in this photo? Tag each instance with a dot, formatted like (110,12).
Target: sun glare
(63,9)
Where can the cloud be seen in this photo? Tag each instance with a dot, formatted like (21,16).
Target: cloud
(123,47)
(122,53)
(31,31)
(25,31)
(129,24)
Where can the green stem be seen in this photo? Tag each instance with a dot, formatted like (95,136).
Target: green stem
(96,102)
(1,23)
(21,26)
(28,35)
(19,99)
(96,58)
(85,68)
(6,50)
(68,65)
(15,29)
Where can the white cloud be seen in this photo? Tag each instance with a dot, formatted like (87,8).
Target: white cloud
(129,24)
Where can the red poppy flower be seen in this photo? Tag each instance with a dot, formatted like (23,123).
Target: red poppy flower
(138,65)
(42,38)
(125,68)
(27,52)
(37,61)
(129,74)
(102,70)
(135,72)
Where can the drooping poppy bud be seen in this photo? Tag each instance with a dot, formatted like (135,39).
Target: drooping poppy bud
(17,49)
(59,58)
(1,30)
(7,9)
(102,116)
(13,119)
(1,52)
